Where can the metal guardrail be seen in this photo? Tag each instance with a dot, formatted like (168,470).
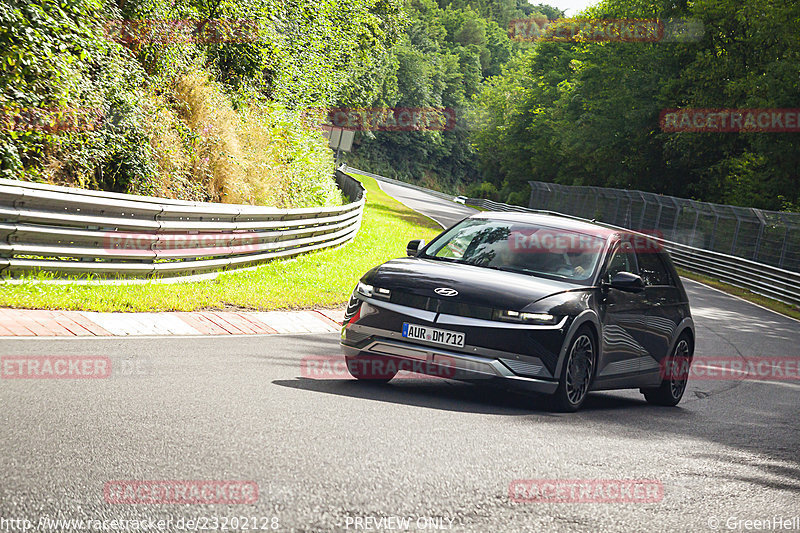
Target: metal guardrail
(766,237)
(490,205)
(438,194)
(776,283)
(773,282)
(71,231)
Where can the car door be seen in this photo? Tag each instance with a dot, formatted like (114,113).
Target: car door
(624,320)
(664,309)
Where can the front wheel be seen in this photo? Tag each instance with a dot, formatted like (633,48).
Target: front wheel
(675,375)
(578,372)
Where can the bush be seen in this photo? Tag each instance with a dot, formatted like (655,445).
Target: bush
(191,120)
(485,190)
(259,155)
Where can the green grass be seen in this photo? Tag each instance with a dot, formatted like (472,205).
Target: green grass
(319,279)
(764,301)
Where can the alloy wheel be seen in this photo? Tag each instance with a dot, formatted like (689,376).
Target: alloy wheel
(579,369)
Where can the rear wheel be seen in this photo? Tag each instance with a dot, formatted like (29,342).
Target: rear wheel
(372,368)
(675,371)
(578,372)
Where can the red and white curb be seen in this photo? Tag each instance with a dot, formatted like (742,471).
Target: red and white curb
(36,323)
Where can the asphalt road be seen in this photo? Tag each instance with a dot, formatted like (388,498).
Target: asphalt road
(445,213)
(326,452)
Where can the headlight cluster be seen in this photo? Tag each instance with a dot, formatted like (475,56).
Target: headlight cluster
(525,318)
(364,289)
(369,291)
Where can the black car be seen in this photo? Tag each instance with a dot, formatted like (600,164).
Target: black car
(553,304)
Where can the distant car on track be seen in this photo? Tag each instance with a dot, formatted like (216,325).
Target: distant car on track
(551,304)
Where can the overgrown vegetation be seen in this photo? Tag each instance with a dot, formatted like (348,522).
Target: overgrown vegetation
(221,118)
(588,113)
(320,279)
(196,118)
(446,53)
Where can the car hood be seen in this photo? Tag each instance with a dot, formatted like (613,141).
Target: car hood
(475,285)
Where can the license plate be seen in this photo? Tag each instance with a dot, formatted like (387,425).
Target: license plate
(439,336)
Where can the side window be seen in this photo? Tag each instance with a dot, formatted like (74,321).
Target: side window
(652,269)
(622,260)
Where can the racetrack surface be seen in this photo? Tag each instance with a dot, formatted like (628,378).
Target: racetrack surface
(325,451)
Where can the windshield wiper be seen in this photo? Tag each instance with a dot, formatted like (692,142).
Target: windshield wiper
(512,269)
(445,259)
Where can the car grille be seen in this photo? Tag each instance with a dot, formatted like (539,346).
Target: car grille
(523,368)
(439,305)
(355,337)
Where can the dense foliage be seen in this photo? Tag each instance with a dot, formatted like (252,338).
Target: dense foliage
(222,119)
(446,53)
(588,113)
(201,117)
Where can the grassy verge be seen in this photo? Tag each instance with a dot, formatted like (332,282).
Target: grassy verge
(750,296)
(319,279)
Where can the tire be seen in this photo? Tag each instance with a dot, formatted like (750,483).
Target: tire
(673,385)
(377,369)
(578,372)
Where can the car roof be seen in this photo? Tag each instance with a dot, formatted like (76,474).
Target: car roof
(552,221)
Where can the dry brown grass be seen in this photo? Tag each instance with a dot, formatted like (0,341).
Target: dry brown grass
(257,155)
(197,147)
(171,158)
(216,158)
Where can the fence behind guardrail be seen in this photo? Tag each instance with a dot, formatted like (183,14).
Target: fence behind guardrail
(777,283)
(767,237)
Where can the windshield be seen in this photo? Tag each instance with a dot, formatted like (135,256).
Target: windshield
(520,247)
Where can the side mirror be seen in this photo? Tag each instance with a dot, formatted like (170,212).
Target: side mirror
(413,247)
(627,281)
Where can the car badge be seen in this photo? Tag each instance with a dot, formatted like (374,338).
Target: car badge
(446,291)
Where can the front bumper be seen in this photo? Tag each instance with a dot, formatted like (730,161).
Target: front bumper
(487,366)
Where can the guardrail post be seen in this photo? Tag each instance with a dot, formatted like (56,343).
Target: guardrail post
(644,209)
(785,245)
(694,228)
(678,212)
(736,232)
(762,225)
(616,209)
(658,215)
(714,231)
